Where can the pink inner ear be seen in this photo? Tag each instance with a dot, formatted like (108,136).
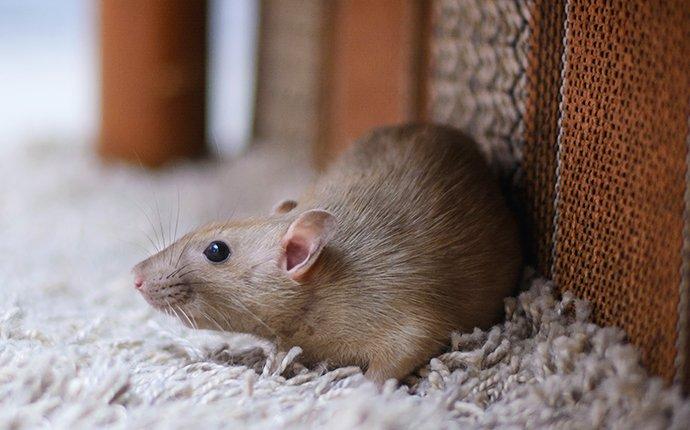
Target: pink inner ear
(296,253)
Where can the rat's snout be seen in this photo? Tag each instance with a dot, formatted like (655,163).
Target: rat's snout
(161,291)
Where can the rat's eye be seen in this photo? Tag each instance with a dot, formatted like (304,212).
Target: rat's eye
(217,251)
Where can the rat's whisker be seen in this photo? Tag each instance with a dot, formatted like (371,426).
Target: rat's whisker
(141,230)
(177,217)
(155,248)
(196,326)
(160,221)
(214,142)
(175,315)
(176,271)
(222,315)
(212,319)
(189,320)
(173,236)
(156,243)
(190,283)
(185,315)
(170,229)
(184,248)
(171,232)
(168,309)
(141,164)
(187,273)
(139,245)
(171,251)
(238,302)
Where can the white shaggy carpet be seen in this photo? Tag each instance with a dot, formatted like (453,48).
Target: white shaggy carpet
(79,348)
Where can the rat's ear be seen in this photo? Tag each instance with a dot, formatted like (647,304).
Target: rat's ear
(304,241)
(284,207)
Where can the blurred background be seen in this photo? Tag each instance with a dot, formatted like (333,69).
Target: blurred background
(153,82)
(50,71)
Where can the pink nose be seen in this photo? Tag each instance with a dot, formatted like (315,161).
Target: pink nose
(138,283)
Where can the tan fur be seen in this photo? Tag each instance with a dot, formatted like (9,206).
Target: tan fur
(424,245)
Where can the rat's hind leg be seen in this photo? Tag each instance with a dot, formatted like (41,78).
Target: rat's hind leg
(379,371)
(400,362)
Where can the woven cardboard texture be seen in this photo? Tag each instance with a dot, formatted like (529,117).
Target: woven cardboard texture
(479,57)
(588,103)
(683,342)
(537,188)
(620,185)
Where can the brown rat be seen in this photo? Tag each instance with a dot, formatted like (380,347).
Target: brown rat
(403,240)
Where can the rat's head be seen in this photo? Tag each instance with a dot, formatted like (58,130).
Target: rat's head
(241,276)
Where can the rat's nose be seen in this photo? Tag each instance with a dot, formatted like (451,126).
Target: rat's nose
(138,283)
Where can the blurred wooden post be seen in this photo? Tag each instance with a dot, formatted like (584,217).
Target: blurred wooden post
(375,56)
(153,58)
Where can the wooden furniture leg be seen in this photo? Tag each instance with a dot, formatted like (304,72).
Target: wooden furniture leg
(153,60)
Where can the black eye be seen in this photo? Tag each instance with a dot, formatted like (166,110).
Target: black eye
(217,251)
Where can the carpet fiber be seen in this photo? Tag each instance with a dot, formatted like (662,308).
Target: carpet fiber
(79,348)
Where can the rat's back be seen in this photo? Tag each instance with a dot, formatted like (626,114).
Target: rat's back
(422,228)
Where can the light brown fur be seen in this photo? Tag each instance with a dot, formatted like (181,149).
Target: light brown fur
(424,245)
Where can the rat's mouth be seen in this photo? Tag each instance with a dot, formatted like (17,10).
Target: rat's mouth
(167,297)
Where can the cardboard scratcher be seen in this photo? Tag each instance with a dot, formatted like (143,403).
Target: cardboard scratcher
(588,102)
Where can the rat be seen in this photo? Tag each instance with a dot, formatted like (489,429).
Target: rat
(403,240)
